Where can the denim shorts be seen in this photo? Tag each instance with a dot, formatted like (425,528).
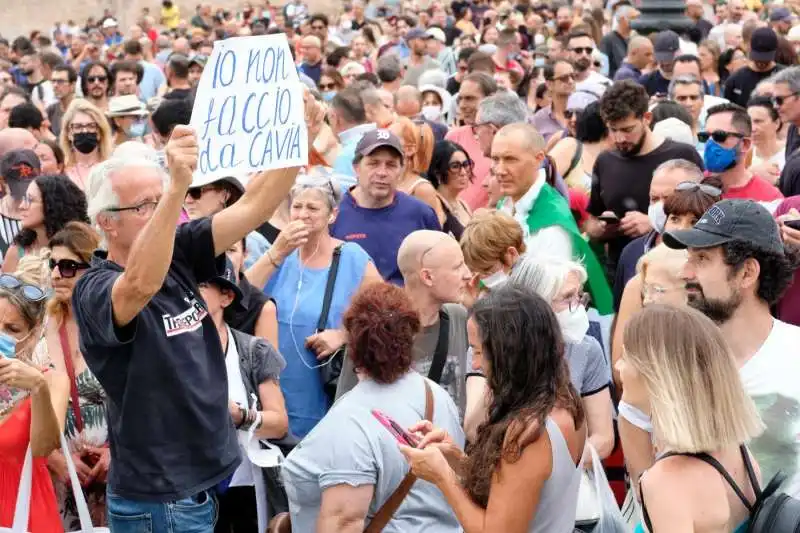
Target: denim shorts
(196,514)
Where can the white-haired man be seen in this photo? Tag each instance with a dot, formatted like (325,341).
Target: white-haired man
(148,337)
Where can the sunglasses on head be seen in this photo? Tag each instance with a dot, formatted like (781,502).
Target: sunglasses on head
(30,292)
(692,186)
(67,267)
(718,136)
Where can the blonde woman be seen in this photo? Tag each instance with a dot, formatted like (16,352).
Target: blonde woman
(85,140)
(699,412)
(418,150)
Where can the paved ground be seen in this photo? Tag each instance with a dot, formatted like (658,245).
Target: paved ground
(19,17)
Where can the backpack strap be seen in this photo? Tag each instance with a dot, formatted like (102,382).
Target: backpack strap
(576,158)
(440,352)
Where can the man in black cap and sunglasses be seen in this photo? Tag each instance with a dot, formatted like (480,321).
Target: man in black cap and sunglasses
(727,142)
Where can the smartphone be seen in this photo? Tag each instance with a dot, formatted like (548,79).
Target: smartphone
(402,436)
(794,224)
(609,218)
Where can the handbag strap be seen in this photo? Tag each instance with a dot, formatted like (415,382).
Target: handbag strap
(80,500)
(23,505)
(73,383)
(392,504)
(329,286)
(440,352)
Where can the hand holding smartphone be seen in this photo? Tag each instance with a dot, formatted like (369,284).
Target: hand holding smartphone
(402,436)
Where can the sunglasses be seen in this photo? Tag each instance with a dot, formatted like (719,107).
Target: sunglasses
(582,50)
(569,113)
(564,77)
(32,293)
(778,101)
(718,136)
(67,267)
(327,86)
(95,79)
(197,192)
(692,186)
(456,166)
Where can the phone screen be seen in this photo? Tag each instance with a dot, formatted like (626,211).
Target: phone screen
(402,436)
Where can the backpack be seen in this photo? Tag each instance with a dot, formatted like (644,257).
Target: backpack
(772,512)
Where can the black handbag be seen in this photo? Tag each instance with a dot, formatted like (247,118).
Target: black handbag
(332,368)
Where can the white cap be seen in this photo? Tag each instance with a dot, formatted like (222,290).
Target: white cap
(675,129)
(794,34)
(436,33)
(110,23)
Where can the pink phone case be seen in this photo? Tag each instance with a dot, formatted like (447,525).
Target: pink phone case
(395,429)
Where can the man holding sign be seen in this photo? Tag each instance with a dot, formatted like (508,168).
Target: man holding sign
(147,335)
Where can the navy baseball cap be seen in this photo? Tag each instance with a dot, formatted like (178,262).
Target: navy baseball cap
(763,45)
(416,33)
(727,221)
(372,140)
(666,46)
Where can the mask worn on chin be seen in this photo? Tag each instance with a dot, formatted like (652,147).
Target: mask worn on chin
(574,324)
(85,142)
(657,216)
(136,130)
(718,159)
(432,113)
(328,95)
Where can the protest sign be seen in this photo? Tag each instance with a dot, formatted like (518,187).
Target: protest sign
(248,112)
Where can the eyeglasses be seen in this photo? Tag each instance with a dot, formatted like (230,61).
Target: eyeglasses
(565,77)
(327,86)
(692,186)
(575,301)
(778,101)
(689,97)
(456,166)
(96,79)
(139,209)
(32,293)
(81,128)
(718,136)
(582,50)
(67,267)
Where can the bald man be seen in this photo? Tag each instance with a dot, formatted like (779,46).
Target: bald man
(543,213)
(435,278)
(408,101)
(379,107)
(312,57)
(181,46)
(16,139)
(640,54)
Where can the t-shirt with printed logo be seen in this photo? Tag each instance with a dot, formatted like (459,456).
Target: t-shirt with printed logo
(170,432)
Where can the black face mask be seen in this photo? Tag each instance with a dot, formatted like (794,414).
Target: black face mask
(85,142)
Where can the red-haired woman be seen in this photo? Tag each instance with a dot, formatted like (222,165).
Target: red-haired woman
(350,463)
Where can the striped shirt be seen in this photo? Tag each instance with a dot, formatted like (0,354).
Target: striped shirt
(9,227)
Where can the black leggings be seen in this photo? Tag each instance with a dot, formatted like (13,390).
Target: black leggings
(237,511)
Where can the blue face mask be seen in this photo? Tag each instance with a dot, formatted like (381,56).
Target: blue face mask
(717,158)
(137,129)
(8,346)
(328,95)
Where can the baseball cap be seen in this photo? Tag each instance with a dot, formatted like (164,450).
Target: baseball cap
(763,45)
(18,168)
(666,45)
(780,14)
(372,140)
(436,33)
(676,130)
(198,59)
(416,33)
(110,23)
(727,221)
(226,280)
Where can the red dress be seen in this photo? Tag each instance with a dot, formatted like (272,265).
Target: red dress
(14,437)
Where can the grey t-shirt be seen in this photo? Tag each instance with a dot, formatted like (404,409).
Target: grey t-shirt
(456,366)
(588,369)
(349,446)
(413,72)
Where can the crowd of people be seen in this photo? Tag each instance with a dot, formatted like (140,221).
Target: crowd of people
(530,244)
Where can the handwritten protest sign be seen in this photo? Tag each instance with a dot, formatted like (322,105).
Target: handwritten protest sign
(248,112)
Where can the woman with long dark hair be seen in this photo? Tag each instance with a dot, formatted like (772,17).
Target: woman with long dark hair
(522,473)
(450,173)
(49,203)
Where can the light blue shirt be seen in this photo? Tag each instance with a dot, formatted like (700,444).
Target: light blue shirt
(152,80)
(344,161)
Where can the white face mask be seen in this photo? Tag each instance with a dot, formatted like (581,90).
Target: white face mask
(494,280)
(657,216)
(432,113)
(574,324)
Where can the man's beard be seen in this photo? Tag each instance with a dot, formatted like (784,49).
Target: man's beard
(630,149)
(583,64)
(720,311)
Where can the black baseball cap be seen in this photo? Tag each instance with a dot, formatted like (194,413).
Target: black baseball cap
(780,14)
(763,45)
(374,139)
(226,280)
(727,221)
(18,168)
(666,45)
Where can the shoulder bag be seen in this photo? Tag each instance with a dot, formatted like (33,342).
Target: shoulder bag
(282,523)
(330,371)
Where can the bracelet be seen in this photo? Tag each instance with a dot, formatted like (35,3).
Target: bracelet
(635,416)
(249,419)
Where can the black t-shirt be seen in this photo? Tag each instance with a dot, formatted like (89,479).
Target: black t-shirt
(741,83)
(704,27)
(164,373)
(453,85)
(621,184)
(244,317)
(178,94)
(654,83)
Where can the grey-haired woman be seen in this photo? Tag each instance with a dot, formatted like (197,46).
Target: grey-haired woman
(295,272)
